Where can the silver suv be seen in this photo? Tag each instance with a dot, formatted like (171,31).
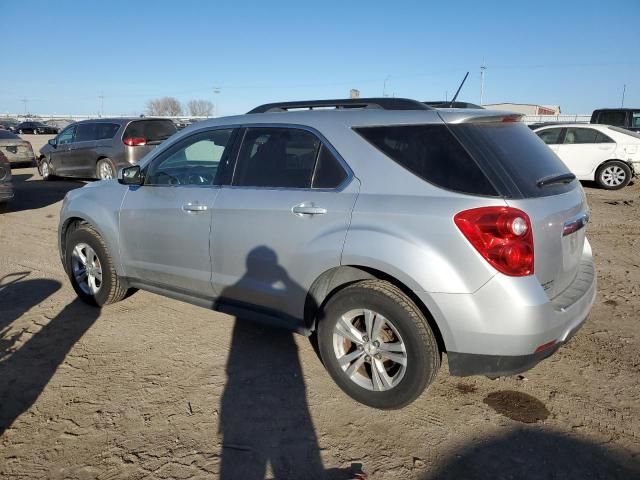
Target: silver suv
(393,231)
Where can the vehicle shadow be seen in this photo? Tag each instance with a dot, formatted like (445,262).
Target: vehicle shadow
(26,371)
(533,454)
(31,192)
(264,418)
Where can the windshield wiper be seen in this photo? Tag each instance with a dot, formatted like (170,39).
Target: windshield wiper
(555,179)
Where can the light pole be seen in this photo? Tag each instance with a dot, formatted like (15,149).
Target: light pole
(483,67)
(101,97)
(384,86)
(25,101)
(216,92)
(624,89)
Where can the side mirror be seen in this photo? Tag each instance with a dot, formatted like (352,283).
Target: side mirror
(52,142)
(130,175)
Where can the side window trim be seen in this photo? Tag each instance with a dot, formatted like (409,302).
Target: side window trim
(170,150)
(323,143)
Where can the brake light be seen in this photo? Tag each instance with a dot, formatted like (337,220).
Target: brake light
(133,141)
(502,235)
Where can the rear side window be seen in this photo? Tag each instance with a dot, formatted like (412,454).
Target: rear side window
(515,156)
(329,172)
(276,157)
(106,131)
(635,119)
(585,135)
(432,153)
(550,136)
(86,132)
(612,118)
(151,130)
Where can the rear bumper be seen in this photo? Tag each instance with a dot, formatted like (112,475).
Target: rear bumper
(6,192)
(497,330)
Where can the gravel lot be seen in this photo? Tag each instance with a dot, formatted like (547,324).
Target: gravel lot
(154,388)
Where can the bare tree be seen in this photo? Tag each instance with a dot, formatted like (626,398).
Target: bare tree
(200,108)
(166,106)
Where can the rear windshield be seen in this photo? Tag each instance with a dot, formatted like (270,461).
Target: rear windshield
(432,153)
(151,130)
(6,134)
(514,156)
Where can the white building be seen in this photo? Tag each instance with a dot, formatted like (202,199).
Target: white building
(525,108)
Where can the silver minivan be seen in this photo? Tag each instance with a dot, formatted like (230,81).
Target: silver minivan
(393,232)
(97,148)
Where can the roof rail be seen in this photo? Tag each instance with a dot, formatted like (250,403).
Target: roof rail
(384,103)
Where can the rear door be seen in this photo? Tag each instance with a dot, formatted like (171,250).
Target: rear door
(165,225)
(282,222)
(583,149)
(81,160)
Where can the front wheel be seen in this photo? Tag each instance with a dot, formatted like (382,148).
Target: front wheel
(613,175)
(44,168)
(377,345)
(90,268)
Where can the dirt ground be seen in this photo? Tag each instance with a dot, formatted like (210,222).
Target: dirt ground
(154,388)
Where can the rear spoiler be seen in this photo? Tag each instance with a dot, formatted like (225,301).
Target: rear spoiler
(479,116)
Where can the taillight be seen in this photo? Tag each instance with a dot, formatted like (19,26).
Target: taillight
(134,141)
(502,235)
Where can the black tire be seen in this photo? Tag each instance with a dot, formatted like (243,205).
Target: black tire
(422,353)
(111,289)
(4,207)
(105,161)
(604,175)
(20,132)
(50,176)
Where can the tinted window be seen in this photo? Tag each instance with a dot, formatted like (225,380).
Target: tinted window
(514,149)
(550,136)
(85,132)
(585,135)
(66,136)
(612,118)
(194,161)
(6,134)
(151,130)
(432,153)
(106,130)
(329,173)
(276,157)
(635,119)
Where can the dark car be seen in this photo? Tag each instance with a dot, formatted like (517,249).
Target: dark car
(15,149)
(97,148)
(8,124)
(35,128)
(628,118)
(6,187)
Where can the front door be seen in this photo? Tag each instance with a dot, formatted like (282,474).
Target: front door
(62,149)
(80,160)
(282,222)
(165,224)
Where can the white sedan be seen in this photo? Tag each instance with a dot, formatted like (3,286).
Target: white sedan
(609,155)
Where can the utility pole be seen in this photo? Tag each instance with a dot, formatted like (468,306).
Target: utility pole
(25,101)
(216,92)
(483,67)
(384,86)
(101,97)
(624,89)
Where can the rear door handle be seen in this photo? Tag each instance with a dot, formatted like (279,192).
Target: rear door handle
(194,207)
(304,209)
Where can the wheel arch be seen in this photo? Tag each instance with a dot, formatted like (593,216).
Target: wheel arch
(337,278)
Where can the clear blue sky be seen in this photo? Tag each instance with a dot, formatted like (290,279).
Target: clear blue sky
(62,55)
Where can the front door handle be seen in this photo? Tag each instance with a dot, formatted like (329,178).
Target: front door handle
(304,209)
(194,207)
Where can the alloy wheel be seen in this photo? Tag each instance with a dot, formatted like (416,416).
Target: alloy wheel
(613,175)
(369,349)
(105,171)
(86,268)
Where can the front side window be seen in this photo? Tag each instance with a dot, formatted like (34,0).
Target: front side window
(66,136)
(550,136)
(583,135)
(194,161)
(276,157)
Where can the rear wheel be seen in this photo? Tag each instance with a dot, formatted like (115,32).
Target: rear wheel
(105,169)
(613,175)
(4,206)
(377,345)
(90,268)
